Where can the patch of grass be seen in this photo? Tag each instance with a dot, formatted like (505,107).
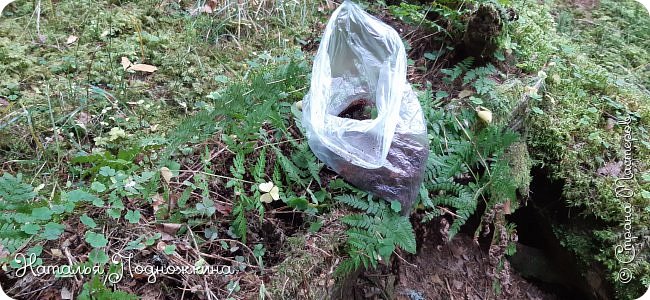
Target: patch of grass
(81,127)
(203,162)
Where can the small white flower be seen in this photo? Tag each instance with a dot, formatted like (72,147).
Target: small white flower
(271,192)
(130,184)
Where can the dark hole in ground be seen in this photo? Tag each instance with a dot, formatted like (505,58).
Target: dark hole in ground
(540,257)
(545,194)
(441,269)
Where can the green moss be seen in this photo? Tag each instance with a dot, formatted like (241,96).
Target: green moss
(587,88)
(520,165)
(61,81)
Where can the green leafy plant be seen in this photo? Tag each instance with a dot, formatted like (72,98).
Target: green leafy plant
(374,234)
(23,216)
(458,70)
(96,290)
(589,86)
(465,165)
(254,126)
(416,15)
(448,16)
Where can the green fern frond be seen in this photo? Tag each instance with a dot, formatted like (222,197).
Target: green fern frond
(260,166)
(13,191)
(293,173)
(16,206)
(405,236)
(195,128)
(237,169)
(466,63)
(374,234)
(240,224)
(11,237)
(361,221)
(353,201)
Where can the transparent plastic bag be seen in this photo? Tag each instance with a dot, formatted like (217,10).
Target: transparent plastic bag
(362,59)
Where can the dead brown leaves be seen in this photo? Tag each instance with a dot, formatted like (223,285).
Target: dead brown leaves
(209,6)
(71,39)
(128,66)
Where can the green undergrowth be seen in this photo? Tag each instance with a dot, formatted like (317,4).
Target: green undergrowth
(466,166)
(85,142)
(61,66)
(576,129)
(211,144)
(254,123)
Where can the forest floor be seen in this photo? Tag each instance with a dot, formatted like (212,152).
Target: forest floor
(143,134)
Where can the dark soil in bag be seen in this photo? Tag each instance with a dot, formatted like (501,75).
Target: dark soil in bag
(359,110)
(399,179)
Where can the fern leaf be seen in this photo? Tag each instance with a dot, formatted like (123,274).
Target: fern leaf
(353,201)
(237,169)
(362,221)
(405,236)
(293,173)
(240,224)
(260,166)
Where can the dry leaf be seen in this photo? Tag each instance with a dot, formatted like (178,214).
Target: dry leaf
(156,201)
(436,279)
(173,200)
(457,284)
(275,193)
(206,9)
(56,252)
(484,114)
(210,6)
(83,118)
(612,169)
(465,94)
(39,187)
(66,294)
(139,102)
(126,63)
(266,198)
(271,191)
(167,237)
(169,228)
(143,68)
(531,90)
(71,39)
(610,123)
(160,246)
(166,174)
(3,102)
(150,292)
(3,252)
(223,209)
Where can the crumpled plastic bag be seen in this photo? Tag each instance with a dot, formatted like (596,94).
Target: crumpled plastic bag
(363,59)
